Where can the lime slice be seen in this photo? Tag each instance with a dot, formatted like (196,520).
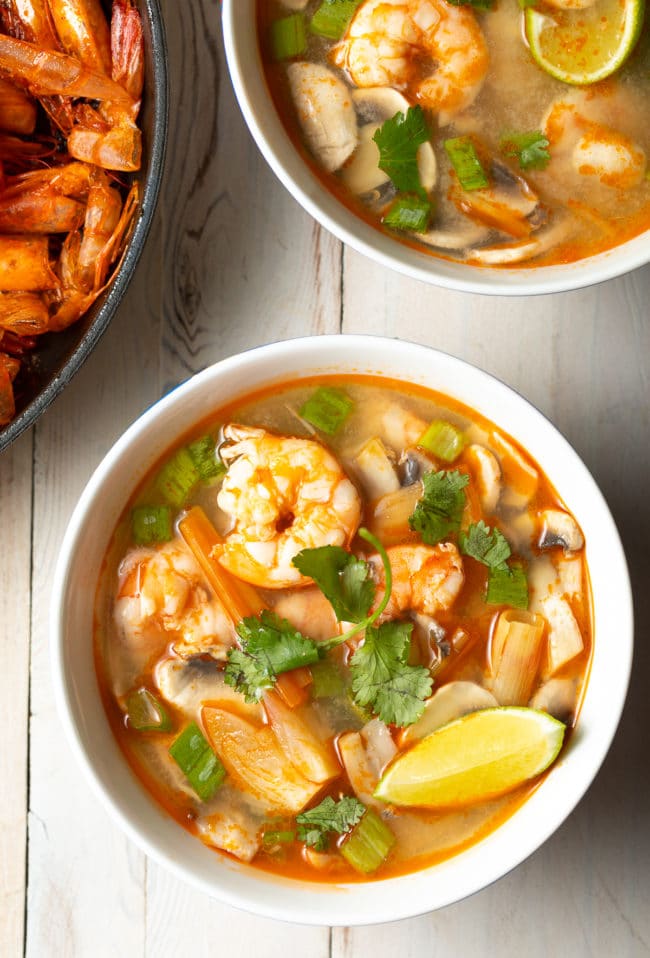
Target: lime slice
(584,46)
(477,757)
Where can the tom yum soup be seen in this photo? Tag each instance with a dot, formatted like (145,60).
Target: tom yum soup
(474,129)
(344,629)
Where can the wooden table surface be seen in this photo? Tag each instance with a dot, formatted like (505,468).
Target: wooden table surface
(233,262)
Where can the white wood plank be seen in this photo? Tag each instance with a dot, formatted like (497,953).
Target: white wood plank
(15,557)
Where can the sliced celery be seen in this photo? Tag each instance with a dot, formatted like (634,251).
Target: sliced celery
(177,478)
(197,761)
(368,844)
(203,453)
(409,213)
(288,37)
(465,161)
(327,409)
(332,17)
(145,713)
(442,439)
(151,524)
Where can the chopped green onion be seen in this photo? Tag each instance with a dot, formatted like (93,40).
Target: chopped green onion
(197,761)
(327,409)
(529,148)
(203,453)
(508,586)
(409,213)
(151,524)
(327,680)
(332,17)
(443,439)
(145,713)
(271,838)
(288,37)
(465,161)
(177,478)
(368,844)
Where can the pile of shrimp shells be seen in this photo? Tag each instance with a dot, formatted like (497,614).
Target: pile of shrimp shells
(482,82)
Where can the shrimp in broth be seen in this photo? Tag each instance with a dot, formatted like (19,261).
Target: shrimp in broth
(309,592)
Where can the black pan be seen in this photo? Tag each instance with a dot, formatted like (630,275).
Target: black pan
(59,355)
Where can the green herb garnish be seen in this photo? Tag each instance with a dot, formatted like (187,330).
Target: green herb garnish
(530,149)
(466,163)
(486,545)
(439,511)
(316,825)
(269,646)
(344,580)
(508,586)
(327,409)
(382,678)
(398,140)
(332,18)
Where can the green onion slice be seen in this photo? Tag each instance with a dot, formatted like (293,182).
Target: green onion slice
(443,439)
(508,586)
(465,161)
(327,409)
(277,837)
(409,213)
(368,844)
(145,713)
(203,453)
(151,524)
(332,18)
(197,761)
(288,37)
(177,478)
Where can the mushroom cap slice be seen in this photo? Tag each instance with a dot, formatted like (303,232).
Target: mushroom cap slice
(325,113)
(560,529)
(508,253)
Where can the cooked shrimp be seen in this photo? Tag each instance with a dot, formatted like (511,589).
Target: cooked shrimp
(283,495)
(163,595)
(582,131)
(426,579)
(434,51)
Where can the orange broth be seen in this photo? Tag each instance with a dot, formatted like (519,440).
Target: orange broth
(424,836)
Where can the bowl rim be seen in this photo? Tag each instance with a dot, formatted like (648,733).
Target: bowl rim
(246,73)
(119,285)
(266,897)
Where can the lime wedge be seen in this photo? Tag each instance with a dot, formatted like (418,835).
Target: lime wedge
(477,757)
(584,46)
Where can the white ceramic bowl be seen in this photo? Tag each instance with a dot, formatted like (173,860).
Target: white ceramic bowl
(75,682)
(264,123)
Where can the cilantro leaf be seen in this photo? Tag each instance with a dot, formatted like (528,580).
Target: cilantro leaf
(530,148)
(439,511)
(344,580)
(508,586)
(383,679)
(486,545)
(398,140)
(315,825)
(269,646)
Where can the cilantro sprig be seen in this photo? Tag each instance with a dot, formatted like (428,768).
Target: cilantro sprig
(316,825)
(529,148)
(398,140)
(269,646)
(486,545)
(383,680)
(439,511)
(343,579)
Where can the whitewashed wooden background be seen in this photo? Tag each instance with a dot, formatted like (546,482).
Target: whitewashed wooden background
(233,262)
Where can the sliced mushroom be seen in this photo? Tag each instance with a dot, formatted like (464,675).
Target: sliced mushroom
(560,529)
(558,697)
(520,478)
(508,253)
(509,204)
(564,636)
(376,469)
(188,685)
(233,824)
(380,747)
(412,466)
(464,237)
(325,113)
(450,702)
(374,106)
(363,777)
(486,467)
